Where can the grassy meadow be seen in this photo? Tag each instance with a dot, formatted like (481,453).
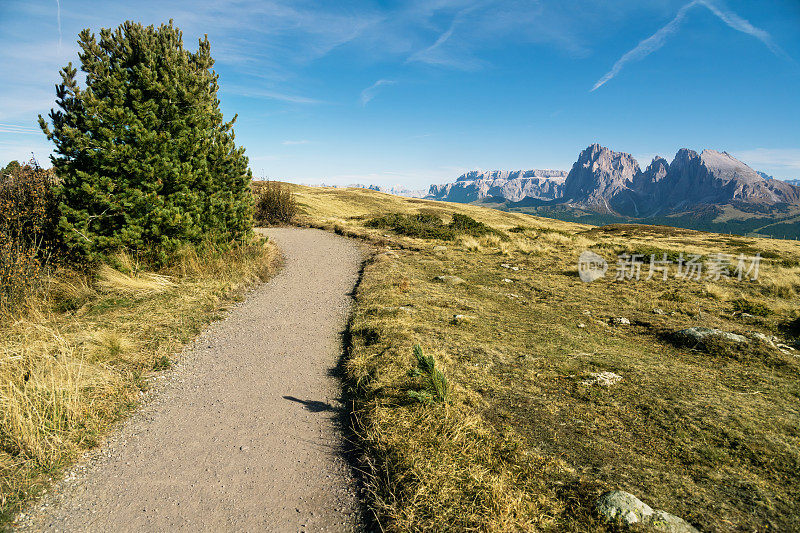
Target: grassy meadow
(527,439)
(78,350)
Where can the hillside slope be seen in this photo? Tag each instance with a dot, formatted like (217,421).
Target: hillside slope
(536,425)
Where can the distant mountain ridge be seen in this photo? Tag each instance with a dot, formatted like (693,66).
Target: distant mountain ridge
(612,182)
(512,185)
(608,182)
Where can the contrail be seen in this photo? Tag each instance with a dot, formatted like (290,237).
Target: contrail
(369,93)
(58,17)
(657,40)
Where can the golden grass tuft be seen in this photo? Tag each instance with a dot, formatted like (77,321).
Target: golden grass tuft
(470,243)
(140,284)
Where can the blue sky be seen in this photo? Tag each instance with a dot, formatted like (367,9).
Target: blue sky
(417,92)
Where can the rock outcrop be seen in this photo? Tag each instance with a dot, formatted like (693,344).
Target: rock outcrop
(623,507)
(611,182)
(602,180)
(513,186)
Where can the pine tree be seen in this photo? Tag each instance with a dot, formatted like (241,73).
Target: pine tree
(144,157)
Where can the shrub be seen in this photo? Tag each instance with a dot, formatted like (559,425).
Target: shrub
(435,388)
(742,305)
(27,219)
(422,225)
(145,160)
(644,254)
(469,226)
(428,226)
(275,204)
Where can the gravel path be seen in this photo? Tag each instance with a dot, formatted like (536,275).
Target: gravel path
(243,434)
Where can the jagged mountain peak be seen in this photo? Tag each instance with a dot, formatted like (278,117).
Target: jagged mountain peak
(612,182)
(599,175)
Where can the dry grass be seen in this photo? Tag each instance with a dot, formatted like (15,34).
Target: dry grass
(141,284)
(471,244)
(74,358)
(525,444)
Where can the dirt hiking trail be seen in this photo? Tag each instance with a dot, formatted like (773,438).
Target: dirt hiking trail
(244,434)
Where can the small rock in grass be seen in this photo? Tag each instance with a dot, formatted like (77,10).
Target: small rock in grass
(581,325)
(658,311)
(438,249)
(460,319)
(604,379)
(664,522)
(506,280)
(586,312)
(620,321)
(452,280)
(624,507)
(698,334)
(771,340)
(786,349)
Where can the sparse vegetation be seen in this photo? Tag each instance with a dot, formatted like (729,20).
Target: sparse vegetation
(523,444)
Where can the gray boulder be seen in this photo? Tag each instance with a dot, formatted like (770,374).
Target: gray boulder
(698,335)
(621,506)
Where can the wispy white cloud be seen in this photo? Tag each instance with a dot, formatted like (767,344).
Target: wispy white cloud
(647,46)
(738,23)
(369,93)
(16,129)
(271,95)
(58,20)
(295,143)
(435,55)
(779,159)
(657,40)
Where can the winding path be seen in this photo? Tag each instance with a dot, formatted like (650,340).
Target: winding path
(243,435)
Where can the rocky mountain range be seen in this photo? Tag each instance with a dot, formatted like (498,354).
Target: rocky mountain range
(612,182)
(513,186)
(398,190)
(608,182)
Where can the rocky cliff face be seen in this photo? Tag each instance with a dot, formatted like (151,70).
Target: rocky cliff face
(611,182)
(513,186)
(602,180)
